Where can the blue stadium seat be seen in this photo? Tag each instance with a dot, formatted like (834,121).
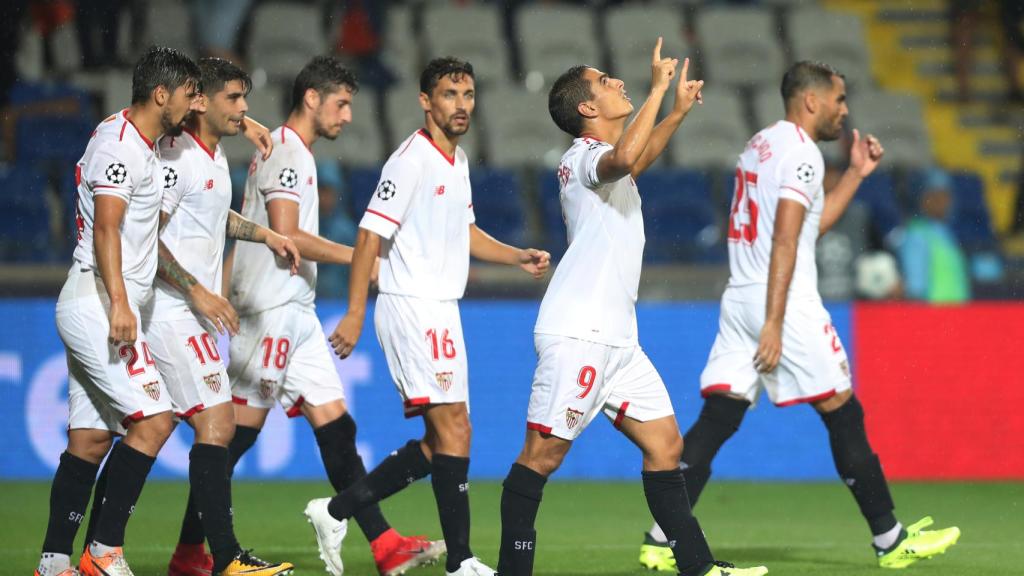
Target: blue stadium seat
(878,193)
(61,138)
(24,217)
(361,183)
(497,202)
(679,217)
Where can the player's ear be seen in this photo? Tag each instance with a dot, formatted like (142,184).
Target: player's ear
(811,102)
(587,109)
(311,98)
(425,101)
(161,95)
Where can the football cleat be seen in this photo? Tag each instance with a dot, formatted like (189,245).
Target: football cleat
(110,564)
(917,544)
(245,563)
(395,554)
(655,555)
(727,569)
(190,560)
(330,533)
(473,567)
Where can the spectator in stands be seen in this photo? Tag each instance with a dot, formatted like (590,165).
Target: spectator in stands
(98,23)
(964,15)
(934,266)
(359,37)
(216,25)
(335,224)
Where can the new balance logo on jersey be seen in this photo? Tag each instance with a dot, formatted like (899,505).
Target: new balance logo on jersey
(209,184)
(309,181)
(439,191)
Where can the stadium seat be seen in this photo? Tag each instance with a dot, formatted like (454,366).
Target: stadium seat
(361,143)
(632,31)
(60,138)
(554,38)
(361,184)
(401,46)
(897,119)
(267,105)
(741,46)
(405,116)
(284,36)
(713,134)
(24,215)
(518,130)
(170,25)
(498,205)
(836,38)
(480,38)
(679,219)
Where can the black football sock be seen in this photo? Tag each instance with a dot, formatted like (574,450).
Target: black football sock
(211,492)
(191,526)
(403,467)
(858,465)
(520,500)
(98,495)
(719,419)
(666,498)
(128,471)
(450,479)
(337,442)
(69,496)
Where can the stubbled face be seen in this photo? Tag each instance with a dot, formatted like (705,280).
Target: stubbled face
(832,111)
(610,97)
(225,110)
(333,112)
(183,100)
(451,103)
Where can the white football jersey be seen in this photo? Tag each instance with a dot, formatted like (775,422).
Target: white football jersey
(422,208)
(197,197)
(119,161)
(592,295)
(259,280)
(779,162)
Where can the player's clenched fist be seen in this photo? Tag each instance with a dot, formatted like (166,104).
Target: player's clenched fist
(122,324)
(662,69)
(865,154)
(346,334)
(769,349)
(535,262)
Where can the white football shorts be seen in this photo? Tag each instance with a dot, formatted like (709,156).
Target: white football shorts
(189,362)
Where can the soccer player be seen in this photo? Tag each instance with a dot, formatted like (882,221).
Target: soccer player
(280,354)
(113,384)
(774,332)
(420,220)
(188,307)
(589,358)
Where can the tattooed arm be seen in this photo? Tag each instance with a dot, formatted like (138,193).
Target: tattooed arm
(241,228)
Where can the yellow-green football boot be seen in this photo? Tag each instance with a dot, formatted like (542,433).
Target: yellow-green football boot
(655,555)
(917,545)
(726,569)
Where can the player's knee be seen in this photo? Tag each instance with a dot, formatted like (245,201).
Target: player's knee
(149,434)
(674,448)
(89,445)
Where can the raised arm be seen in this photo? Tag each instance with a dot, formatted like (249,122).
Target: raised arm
(687,93)
(789,219)
(864,158)
(106,242)
(284,219)
(483,246)
(346,333)
(622,159)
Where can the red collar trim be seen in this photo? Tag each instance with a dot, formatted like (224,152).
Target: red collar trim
(589,137)
(201,144)
(425,134)
(285,126)
(148,142)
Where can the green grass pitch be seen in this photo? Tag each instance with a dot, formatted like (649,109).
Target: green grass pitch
(584,528)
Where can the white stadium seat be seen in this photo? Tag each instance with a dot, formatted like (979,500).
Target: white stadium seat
(519,131)
(473,33)
(836,38)
(632,32)
(553,38)
(284,37)
(897,119)
(713,134)
(740,46)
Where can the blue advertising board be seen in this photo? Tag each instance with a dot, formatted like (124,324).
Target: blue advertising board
(787,443)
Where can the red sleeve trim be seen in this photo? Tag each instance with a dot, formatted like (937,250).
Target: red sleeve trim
(384,216)
(281,190)
(814,398)
(621,414)
(714,388)
(538,427)
(108,186)
(296,410)
(798,191)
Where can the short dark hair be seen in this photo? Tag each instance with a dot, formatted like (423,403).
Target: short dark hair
(216,72)
(161,66)
(439,68)
(806,74)
(568,91)
(324,74)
